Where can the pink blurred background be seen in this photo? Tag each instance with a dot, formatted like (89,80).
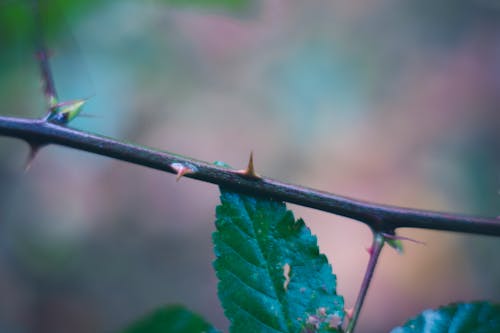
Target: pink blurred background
(387,101)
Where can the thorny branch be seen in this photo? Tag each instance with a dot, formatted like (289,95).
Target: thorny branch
(52,129)
(382,218)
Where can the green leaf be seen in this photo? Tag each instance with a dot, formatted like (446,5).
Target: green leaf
(272,277)
(171,319)
(479,317)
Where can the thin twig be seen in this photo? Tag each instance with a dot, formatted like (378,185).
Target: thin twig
(379,217)
(374,251)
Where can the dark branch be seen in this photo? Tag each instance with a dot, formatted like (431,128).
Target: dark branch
(380,218)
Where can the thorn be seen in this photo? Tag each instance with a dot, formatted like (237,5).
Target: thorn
(182,170)
(369,249)
(249,172)
(349,312)
(34,149)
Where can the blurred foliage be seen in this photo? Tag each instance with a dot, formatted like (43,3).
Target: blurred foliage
(21,20)
(233,5)
(18,17)
(447,21)
(173,319)
(478,317)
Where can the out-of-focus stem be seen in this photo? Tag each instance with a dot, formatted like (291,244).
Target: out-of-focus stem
(42,55)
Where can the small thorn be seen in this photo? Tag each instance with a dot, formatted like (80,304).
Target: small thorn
(34,149)
(369,249)
(349,312)
(182,170)
(250,170)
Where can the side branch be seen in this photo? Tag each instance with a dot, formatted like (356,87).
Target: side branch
(380,218)
(49,88)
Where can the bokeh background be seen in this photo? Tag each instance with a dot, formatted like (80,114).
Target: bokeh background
(396,102)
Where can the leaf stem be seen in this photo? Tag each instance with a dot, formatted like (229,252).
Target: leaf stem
(375,249)
(381,218)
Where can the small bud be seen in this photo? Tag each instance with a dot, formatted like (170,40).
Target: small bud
(182,170)
(249,172)
(396,243)
(64,112)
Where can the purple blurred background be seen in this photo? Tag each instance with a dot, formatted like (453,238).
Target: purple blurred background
(387,101)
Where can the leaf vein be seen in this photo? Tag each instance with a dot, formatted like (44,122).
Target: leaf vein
(260,246)
(256,318)
(246,284)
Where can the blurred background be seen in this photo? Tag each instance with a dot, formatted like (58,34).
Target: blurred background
(387,101)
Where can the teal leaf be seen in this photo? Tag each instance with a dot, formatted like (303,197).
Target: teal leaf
(478,317)
(171,319)
(272,277)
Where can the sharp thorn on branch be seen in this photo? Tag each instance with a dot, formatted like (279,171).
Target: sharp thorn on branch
(182,170)
(34,149)
(249,172)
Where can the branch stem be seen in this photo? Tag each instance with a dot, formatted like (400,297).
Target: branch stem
(381,218)
(42,55)
(375,249)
